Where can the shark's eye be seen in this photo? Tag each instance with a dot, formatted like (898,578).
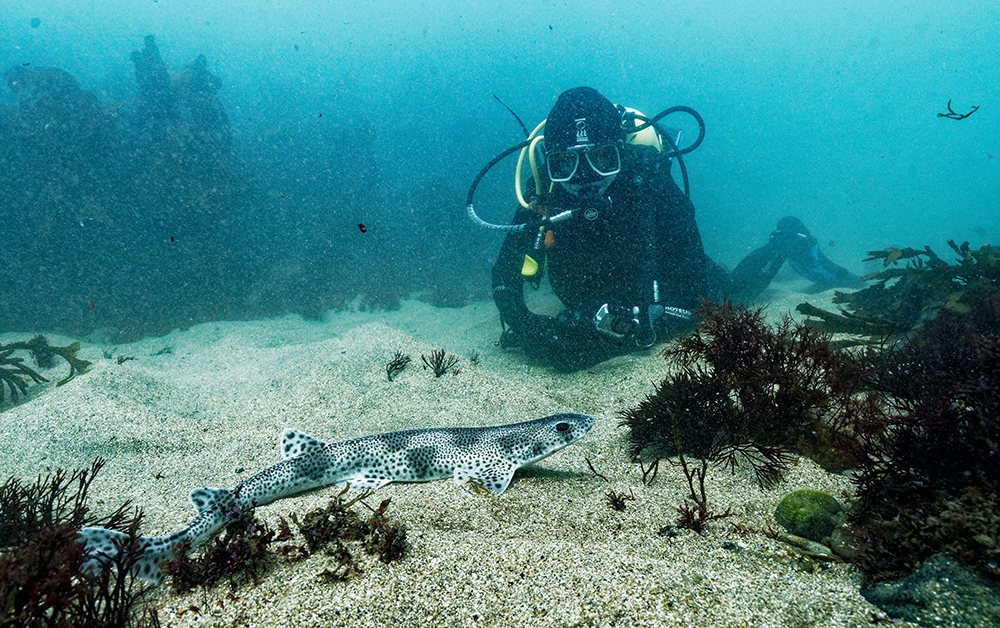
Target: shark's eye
(562,427)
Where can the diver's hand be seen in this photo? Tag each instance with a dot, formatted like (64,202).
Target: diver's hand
(552,332)
(566,344)
(641,325)
(618,322)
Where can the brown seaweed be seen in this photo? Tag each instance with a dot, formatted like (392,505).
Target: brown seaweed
(440,362)
(747,394)
(915,287)
(15,374)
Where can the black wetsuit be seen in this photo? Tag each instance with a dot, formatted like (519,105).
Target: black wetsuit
(613,253)
(610,254)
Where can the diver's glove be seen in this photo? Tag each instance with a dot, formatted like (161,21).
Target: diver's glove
(549,331)
(566,343)
(640,325)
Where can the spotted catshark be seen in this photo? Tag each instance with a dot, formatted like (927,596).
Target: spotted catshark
(477,458)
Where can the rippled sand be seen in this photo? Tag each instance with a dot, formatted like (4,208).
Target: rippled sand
(548,552)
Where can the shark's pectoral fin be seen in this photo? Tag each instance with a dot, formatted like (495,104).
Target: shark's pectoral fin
(359,482)
(493,480)
(295,443)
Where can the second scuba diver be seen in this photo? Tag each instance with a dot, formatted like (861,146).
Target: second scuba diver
(618,239)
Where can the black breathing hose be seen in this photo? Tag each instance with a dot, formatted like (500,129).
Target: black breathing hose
(674,150)
(475,183)
(647,122)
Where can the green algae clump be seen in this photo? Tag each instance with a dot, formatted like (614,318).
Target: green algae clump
(809,514)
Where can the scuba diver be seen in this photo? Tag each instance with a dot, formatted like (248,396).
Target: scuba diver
(617,237)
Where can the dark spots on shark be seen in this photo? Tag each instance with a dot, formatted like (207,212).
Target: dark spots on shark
(478,458)
(418,461)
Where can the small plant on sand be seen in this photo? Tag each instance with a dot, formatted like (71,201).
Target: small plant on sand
(330,529)
(440,362)
(396,365)
(386,539)
(695,517)
(338,521)
(52,500)
(615,500)
(236,554)
(241,551)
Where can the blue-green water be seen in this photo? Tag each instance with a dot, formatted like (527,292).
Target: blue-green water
(381,113)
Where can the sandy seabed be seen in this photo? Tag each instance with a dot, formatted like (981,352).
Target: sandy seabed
(548,552)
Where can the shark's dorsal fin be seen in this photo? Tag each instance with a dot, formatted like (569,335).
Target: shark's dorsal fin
(295,443)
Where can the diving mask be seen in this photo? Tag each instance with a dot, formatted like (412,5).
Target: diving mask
(604,160)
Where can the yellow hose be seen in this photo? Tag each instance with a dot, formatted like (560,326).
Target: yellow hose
(530,150)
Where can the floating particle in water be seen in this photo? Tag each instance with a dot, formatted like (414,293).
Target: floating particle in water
(363,228)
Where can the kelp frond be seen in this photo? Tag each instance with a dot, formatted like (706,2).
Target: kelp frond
(914,288)
(15,375)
